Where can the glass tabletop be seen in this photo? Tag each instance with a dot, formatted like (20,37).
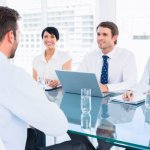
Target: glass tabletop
(122,124)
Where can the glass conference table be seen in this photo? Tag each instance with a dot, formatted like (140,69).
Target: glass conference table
(121,124)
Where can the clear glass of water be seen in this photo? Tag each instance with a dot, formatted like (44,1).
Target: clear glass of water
(85,100)
(147,116)
(86,120)
(147,119)
(147,100)
(41,81)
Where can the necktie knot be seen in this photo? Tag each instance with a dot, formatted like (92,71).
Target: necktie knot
(105,57)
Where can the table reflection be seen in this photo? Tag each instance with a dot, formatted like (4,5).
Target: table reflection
(55,95)
(147,119)
(86,121)
(111,122)
(117,113)
(105,128)
(71,106)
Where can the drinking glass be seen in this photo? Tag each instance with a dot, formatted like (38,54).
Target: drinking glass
(85,100)
(41,82)
(86,120)
(147,116)
(147,119)
(147,100)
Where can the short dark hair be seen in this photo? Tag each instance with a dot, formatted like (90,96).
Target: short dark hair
(51,30)
(112,26)
(8,21)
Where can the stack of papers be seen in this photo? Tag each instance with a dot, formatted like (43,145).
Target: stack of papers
(137,98)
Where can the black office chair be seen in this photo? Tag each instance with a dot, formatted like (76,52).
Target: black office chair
(36,140)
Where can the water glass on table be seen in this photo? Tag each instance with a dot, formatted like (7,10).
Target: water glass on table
(41,82)
(147,100)
(86,120)
(85,100)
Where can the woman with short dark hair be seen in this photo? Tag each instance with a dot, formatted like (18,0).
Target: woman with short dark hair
(45,64)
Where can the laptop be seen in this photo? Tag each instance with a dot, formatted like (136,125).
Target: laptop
(73,82)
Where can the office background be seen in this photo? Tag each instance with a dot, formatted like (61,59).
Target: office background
(77,21)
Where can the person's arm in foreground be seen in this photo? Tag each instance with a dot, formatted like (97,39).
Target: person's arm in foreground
(29,103)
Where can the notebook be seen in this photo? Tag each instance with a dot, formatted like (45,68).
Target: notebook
(48,88)
(137,98)
(73,82)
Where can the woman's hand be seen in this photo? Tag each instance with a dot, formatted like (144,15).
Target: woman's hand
(52,83)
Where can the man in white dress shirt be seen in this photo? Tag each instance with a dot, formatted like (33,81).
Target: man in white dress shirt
(22,102)
(122,71)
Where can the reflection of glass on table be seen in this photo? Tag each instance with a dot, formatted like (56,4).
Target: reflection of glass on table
(147,117)
(85,100)
(86,120)
(147,100)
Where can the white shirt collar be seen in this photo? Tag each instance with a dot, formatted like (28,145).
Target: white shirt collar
(112,53)
(3,56)
(53,57)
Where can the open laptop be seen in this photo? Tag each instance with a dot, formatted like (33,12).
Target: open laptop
(73,82)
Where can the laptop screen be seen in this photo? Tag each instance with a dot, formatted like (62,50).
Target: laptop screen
(73,82)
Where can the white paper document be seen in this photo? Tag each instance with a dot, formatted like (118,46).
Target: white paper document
(137,98)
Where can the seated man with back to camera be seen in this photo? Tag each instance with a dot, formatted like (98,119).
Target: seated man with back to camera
(22,102)
(114,67)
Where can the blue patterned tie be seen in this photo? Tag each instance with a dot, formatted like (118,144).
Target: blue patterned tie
(104,73)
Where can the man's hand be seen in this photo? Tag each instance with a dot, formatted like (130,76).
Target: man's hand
(103,88)
(128,96)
